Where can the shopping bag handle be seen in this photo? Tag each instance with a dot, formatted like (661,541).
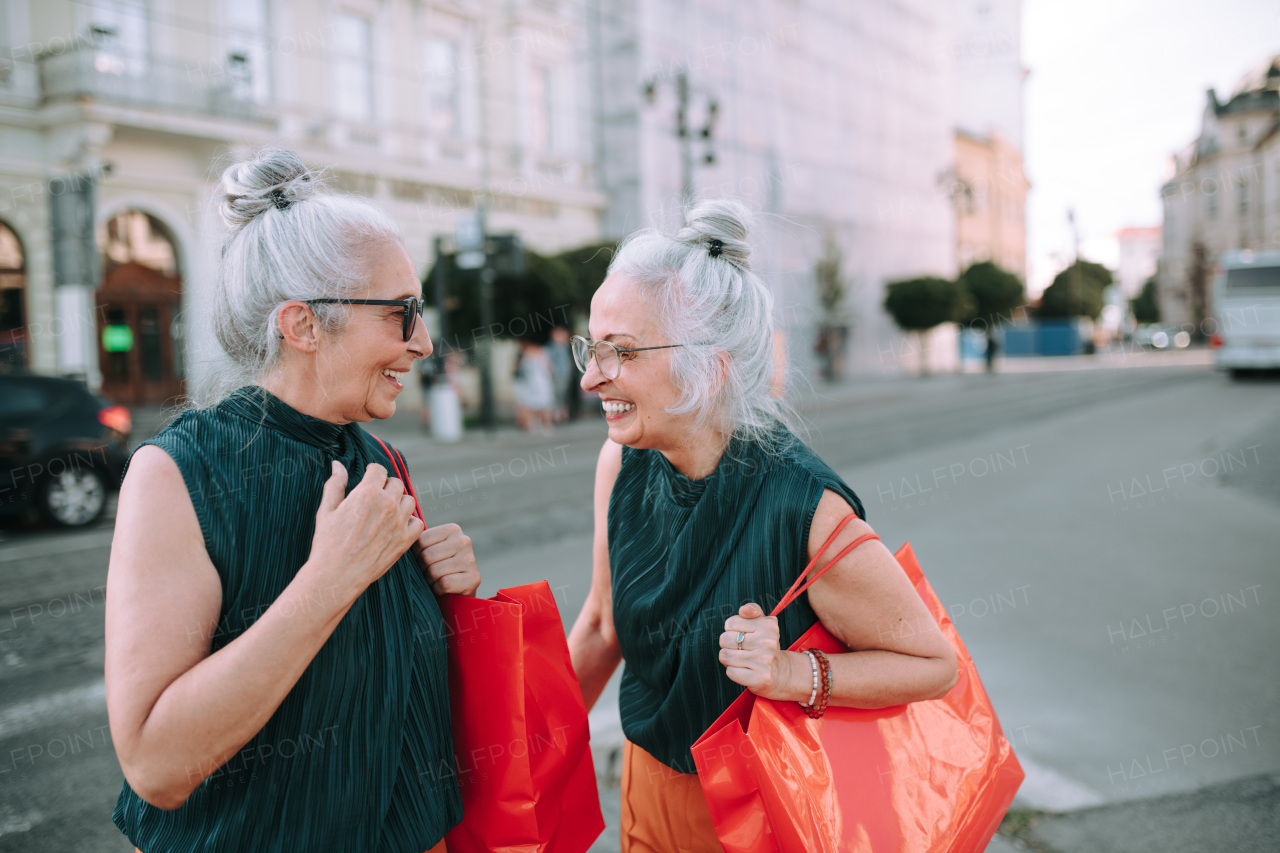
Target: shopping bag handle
(796,588)
(402,471)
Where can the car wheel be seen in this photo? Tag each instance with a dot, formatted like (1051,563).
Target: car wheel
(73,498)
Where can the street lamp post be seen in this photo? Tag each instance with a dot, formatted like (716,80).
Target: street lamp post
(684,134)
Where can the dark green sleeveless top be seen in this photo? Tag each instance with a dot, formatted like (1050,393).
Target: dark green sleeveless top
(359,755)
(684,555)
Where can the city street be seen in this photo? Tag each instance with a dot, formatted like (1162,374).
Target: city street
(1104,539)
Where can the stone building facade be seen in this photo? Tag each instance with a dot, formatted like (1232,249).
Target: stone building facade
(1224,194)
(832,120)
(125,110)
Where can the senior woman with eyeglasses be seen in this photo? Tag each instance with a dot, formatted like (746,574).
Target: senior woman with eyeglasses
(275,661)
(707,508)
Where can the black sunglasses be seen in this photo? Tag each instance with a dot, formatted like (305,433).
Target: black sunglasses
(412,309)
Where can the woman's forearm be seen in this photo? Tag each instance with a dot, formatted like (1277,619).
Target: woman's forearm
(595,656)
(872,678)
(209,712)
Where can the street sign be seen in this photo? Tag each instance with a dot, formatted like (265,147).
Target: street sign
(117,338)
(468,233)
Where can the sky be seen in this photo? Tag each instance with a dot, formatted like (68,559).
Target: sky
(1115,88)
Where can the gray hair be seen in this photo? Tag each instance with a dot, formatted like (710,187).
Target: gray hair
(709,300)
(290,238)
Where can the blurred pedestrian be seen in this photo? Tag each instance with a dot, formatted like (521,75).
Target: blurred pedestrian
(430,372)
(275,658)
(564,378)
(993,349)
(707,504)
(534,387)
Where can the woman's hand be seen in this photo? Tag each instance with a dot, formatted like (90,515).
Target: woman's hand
(446,556)
(761,666)
(362,534)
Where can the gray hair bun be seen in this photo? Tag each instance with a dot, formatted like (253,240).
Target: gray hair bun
(272,181)
(720,227)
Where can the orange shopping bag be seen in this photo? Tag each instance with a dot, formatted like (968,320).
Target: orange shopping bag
(928,777)
(521,745)
(520,734)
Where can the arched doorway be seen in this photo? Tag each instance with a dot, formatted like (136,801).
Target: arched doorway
(139,336)
(13,301)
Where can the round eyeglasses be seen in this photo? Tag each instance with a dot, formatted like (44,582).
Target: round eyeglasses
(608,356)
(412,309)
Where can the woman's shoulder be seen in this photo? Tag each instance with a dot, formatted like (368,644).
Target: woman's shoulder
(795,465)
(191,434)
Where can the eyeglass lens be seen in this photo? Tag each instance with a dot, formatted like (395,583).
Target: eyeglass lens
(411,311)
(605,353)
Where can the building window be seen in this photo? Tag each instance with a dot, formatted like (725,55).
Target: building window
(248,50)
(13,309)
(120,32)
(443,86)
(540,110)
(353,68)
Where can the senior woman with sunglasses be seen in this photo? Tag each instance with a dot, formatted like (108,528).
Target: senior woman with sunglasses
(707,508)
(275,662)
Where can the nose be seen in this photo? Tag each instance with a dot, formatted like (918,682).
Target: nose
(592,378)
(420,340)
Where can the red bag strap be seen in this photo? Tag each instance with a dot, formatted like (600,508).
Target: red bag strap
(796,588)
(402,471)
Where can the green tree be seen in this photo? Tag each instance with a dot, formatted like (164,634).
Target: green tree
(832,330)
(919,304)
(989,295)
(1077,291)
(831,284)
(528,305)
(588,266)
(1145,306)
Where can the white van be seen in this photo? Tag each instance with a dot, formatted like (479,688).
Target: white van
(1246,308)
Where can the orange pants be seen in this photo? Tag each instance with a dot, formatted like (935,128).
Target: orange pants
(663,810)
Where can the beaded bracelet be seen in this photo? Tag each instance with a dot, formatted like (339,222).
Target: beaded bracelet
(815,711)
(827,681)
(813,662)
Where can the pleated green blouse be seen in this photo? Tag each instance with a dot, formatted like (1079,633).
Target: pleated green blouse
(684,555)
(359,754)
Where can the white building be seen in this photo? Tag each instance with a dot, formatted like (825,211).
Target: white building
(1225,192)
(832,119)
(117,115)
(1139,256)
(990,184)
(990,76)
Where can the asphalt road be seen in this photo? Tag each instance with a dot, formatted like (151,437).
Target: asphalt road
(1104,539)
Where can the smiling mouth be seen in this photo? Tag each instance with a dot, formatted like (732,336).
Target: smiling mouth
(616,407)
(395,377)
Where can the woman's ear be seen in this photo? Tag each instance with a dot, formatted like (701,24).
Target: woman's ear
(298,326)
(722,369)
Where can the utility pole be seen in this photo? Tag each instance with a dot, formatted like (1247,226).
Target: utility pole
(487,277)
(1073,294)
(438,287)
(683,132)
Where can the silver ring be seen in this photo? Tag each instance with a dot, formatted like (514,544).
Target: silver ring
(741,637)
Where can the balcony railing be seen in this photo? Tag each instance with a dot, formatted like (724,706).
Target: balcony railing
(152,82)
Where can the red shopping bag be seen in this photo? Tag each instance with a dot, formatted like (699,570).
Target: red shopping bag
(928,777)
(520,733)
(520,739)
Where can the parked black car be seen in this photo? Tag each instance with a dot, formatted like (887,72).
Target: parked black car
(62,448)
